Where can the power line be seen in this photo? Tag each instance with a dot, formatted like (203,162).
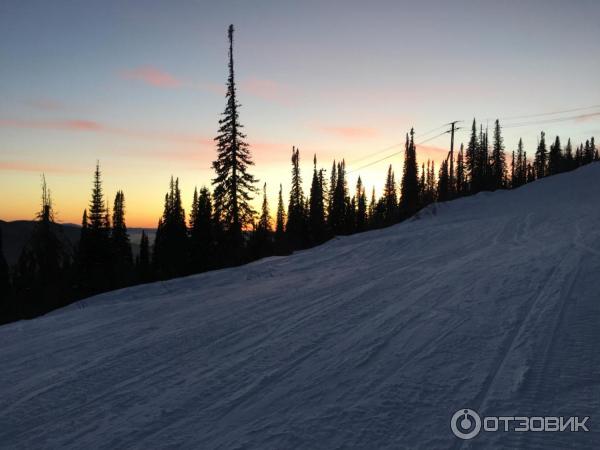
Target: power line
(553,113)
(370,155)
(375,153)
(555,120)
(396,153)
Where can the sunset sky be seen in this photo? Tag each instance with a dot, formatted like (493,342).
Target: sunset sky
(139,85)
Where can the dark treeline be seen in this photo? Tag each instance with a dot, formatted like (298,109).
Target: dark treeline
(222,229)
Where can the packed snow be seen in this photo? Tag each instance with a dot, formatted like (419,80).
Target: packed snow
(490,302)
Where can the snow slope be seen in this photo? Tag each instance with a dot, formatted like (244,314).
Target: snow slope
(371,341)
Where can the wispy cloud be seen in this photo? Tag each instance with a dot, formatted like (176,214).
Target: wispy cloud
(263,89)
(152,76)
(350,132)
(587,117)
(87,126)
(27,166)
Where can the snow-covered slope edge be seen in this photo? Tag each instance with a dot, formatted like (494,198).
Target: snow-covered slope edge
(370,341)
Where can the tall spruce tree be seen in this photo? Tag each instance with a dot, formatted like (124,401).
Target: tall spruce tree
(281,247)
(170,257)
(390,198)
(6,312)
(569,163)
(121,246)
(361,206)
(201,230)
(588,152)
(460,172)
(143,268)
(483,164)
(295,227)
(372,206)
(541,158)
(316,214)
(498,166)
(40,281)
(233,184)
(579,156)
(331,194)
(472,160)
(555,158)
(520,175)
(443,193)
(337,218)
(262,238)
(409,198)
(94,265)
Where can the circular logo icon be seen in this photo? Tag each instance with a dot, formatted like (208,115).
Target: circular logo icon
(465,424)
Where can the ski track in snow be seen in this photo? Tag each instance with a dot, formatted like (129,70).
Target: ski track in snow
(490,302)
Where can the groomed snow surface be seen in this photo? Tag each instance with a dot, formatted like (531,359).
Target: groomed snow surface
(490,302)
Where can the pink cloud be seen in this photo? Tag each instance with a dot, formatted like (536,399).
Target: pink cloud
(350,132)
(587,117)
(26,166)
(152,76)
(86,126)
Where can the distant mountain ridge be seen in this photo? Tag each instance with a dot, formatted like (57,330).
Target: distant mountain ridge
(16,233)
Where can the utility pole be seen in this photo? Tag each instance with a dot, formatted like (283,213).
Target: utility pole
(451,168)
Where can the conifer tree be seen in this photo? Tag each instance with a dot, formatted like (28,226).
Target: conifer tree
(409,199)
(40,281)
(541,158)
(579,156)
(525,168)
(361,207)
(337,219)
(331,194)
(316,212)
(513,164)
(483,165)
(372,206)
(569,159)
(170,244)
(94,265)
(588,153)
(262,242)
(121,246)
(498,166)
(233,184)
(143,267)
(295,227)
(350,215)
(281,247)
(472,159)
(390,198)
(430,188)
(202,233)
(530,173)
(555,162)
(520,175)
(460,172)
(5,310)
(443,193)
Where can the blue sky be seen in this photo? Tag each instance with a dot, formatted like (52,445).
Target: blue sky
(139,86)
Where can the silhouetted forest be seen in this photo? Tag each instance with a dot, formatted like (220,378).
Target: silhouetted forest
(222,229)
